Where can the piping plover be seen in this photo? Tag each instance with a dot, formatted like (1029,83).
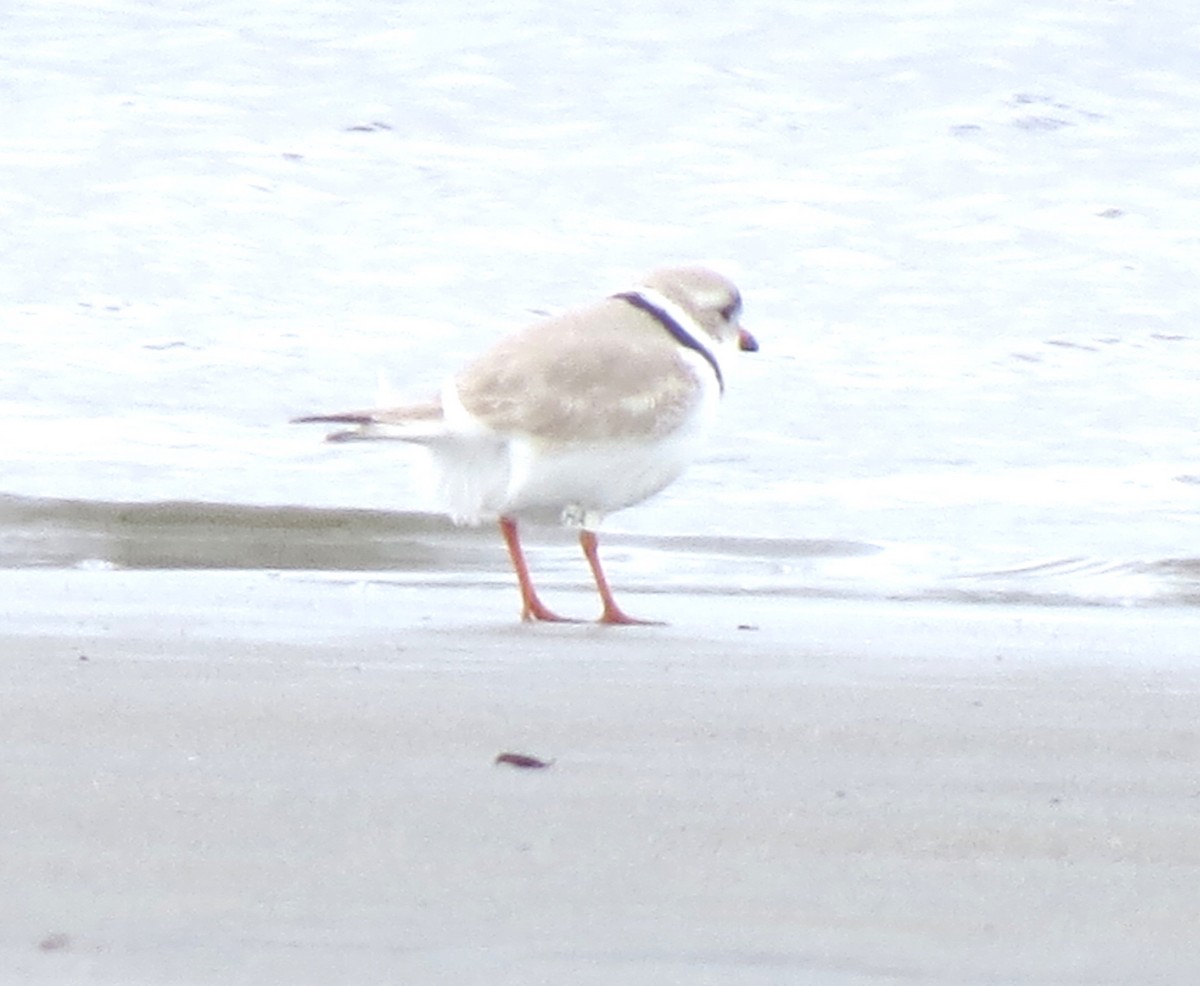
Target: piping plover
(575,416)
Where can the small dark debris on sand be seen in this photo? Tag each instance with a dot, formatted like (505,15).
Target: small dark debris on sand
(522,760)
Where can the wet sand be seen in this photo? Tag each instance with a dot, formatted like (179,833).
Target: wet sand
(221,777)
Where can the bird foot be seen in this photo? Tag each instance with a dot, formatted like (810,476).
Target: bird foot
(535,612)
(612,616)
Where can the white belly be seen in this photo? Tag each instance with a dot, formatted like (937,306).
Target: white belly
(481,477)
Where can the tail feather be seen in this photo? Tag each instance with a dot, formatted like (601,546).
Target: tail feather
(346,418)
(412,423)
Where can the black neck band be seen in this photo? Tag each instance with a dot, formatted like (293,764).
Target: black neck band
(681,335)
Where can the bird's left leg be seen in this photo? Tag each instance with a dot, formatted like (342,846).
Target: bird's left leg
(612,612)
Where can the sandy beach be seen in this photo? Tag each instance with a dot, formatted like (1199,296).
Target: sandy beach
(223,777)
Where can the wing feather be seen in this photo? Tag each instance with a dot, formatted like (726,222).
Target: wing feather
(605,373)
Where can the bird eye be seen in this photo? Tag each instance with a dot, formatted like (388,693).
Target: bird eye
(731,311)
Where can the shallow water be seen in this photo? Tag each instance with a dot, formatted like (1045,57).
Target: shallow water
(966,233)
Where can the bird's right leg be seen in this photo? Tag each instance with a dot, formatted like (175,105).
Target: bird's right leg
(532,608)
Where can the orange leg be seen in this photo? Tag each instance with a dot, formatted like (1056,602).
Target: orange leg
(531,607)
(612,612)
